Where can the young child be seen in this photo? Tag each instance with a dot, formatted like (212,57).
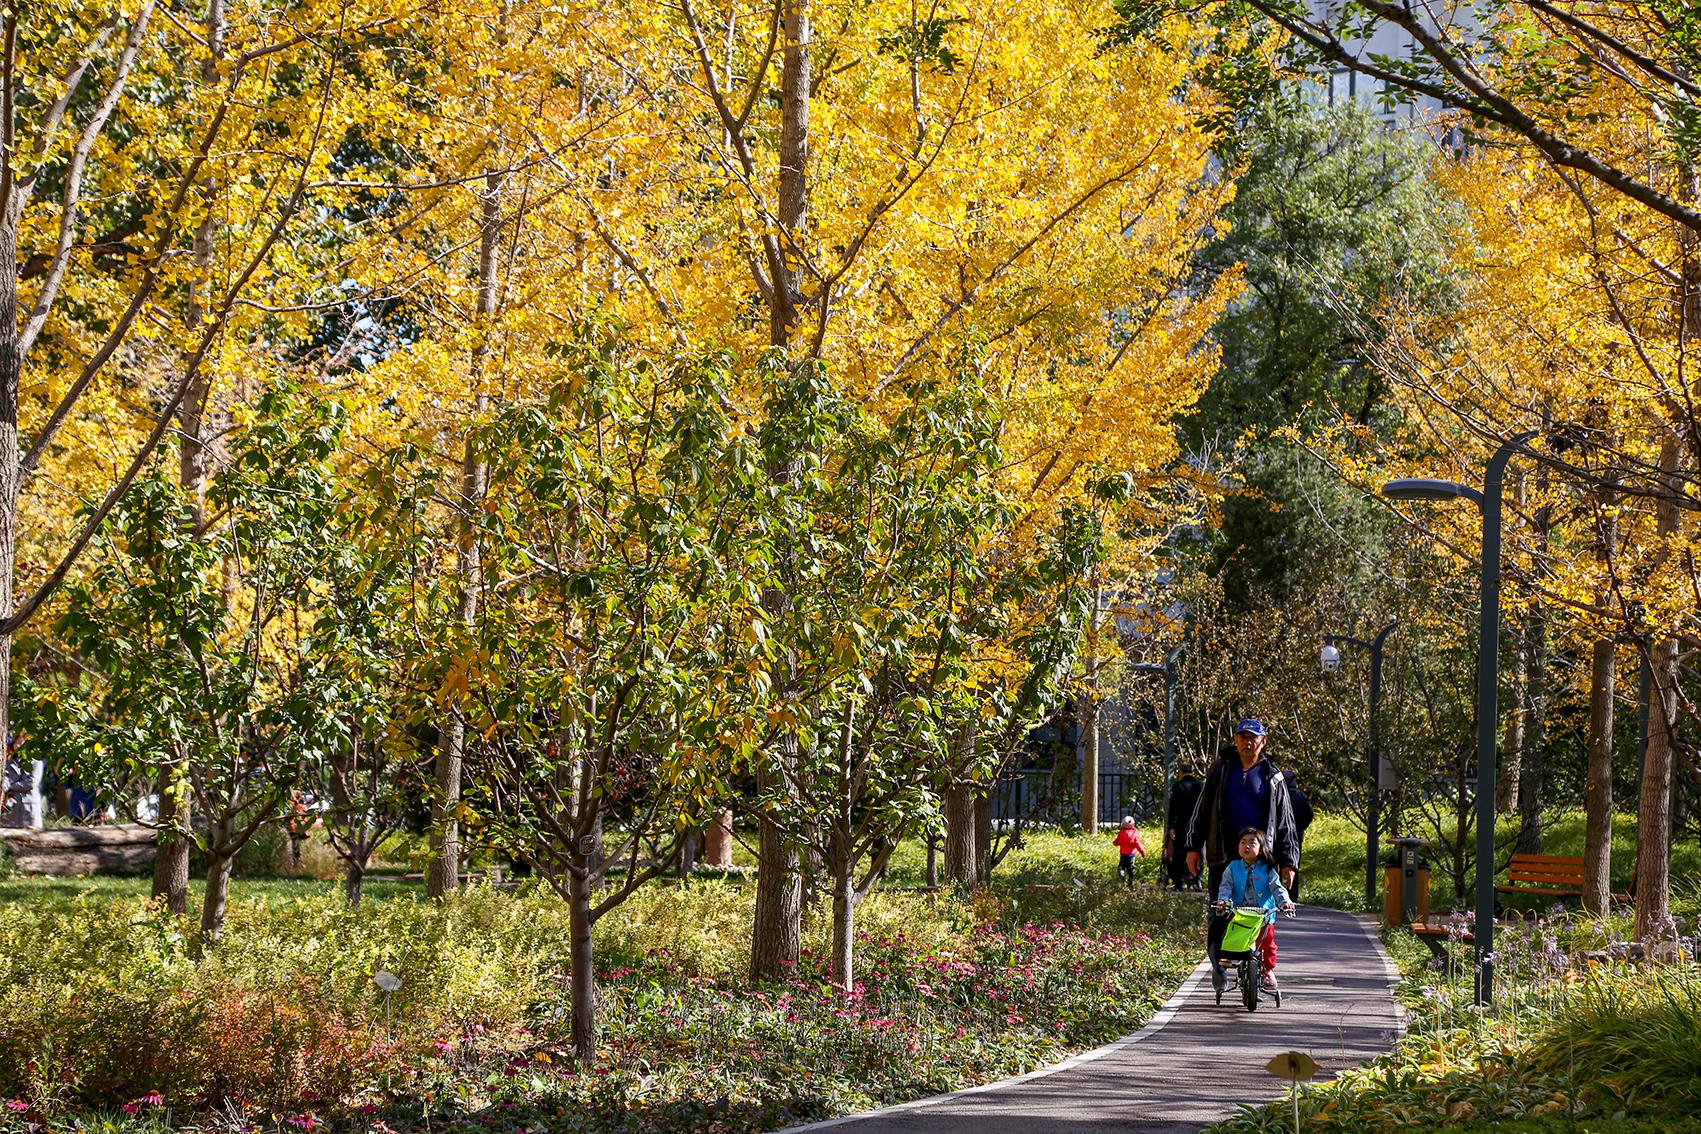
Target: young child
(1250,880)
(1128,842)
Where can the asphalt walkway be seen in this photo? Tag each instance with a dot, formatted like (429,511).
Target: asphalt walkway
(1194,1062)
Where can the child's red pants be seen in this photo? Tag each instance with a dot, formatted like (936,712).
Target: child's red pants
(1267,942)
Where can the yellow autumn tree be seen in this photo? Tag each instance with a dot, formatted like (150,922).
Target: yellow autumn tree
(1575,321)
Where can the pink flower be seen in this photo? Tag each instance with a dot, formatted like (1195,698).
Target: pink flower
(20,1105)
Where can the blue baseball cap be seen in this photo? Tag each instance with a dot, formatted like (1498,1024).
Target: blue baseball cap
(1251,725)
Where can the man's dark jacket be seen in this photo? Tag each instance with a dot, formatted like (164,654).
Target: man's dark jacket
(1205,831)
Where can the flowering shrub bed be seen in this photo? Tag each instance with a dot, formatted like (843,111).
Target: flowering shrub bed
(1579,1031)
(112,1024)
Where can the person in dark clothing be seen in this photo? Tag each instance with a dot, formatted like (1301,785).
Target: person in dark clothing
(1183,798)
(1242,791)
(1302,816)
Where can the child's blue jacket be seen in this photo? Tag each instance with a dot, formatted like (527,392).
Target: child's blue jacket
(1261,886)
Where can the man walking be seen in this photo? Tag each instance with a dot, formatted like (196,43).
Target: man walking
(1240,791)
(1183,798)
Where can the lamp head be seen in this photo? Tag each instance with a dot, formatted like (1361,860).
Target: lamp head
(1426,488)
(1330,659)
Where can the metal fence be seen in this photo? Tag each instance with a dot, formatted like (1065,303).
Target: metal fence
(1048,796)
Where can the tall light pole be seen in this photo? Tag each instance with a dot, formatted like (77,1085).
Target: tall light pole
(1488,678)
(1330,658)
(1169,669)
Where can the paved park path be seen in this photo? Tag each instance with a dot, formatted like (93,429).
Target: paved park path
(1194,1062)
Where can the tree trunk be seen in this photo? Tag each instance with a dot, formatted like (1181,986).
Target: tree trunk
(961,865)
(1597,795)
(354,874)
(583,974)
(717,841)
(171,860)
(844,924)
(777,939)
(796,86)
(1534,764)
(983,833)
(1089,753)
(687,853)
(11,365)
(444,873)
(932,860)
(1653,822)
(1512,753)
(218,893)
(777,936)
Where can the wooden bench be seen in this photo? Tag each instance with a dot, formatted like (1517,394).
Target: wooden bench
(1543,876)
(1535,875)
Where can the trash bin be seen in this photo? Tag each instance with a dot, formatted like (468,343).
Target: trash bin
(1405,890)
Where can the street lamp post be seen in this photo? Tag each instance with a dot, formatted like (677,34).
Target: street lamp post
(1169,669)
(1330,658)
(1488,678)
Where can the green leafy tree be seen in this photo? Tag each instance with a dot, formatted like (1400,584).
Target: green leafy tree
(194,638)
(1334,217)
(618,671)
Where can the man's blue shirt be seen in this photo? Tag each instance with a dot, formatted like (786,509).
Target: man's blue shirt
(1246,797)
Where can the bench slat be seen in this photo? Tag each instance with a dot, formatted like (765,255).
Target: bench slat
(1559,859)
(1555,891)
(1538,876)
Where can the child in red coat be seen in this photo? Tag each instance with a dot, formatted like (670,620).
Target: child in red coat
(1128,842)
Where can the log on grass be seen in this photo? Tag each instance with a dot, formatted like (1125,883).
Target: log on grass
(121,848)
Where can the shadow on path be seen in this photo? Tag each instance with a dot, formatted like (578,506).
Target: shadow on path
(1180,1075)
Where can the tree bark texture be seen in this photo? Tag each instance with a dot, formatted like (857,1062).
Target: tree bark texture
(717,841)
(443,874)
(1597,794)
(777,937)
(218,894)
(1089,753)
(983,833)
(583,972)
(1512,751)
(354,875)
(1653,815)
(844,924)
(1532,772)
(171,861)
(796,85)
(11,365)
(961,864)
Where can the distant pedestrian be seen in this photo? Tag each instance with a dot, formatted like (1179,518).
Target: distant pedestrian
(1183,798)
(1302,816)
(1127,841)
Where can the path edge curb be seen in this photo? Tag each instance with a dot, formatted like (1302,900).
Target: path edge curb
(1165,1013)
(1370,924)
